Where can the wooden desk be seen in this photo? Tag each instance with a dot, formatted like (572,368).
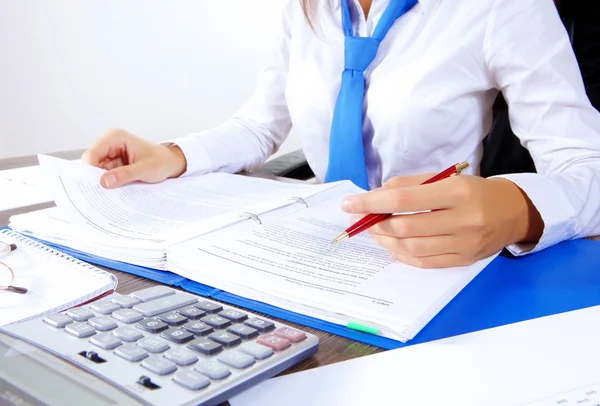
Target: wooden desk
(331,348)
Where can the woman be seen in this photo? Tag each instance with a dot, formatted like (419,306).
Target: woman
(430,77)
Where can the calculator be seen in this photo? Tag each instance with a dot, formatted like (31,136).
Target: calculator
(155,346)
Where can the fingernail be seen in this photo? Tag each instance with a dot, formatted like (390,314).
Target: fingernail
(110,180)
(347,205)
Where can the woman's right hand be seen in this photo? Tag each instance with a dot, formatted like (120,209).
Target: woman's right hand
(128,158)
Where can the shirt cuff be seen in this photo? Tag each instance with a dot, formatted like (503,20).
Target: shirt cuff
(551,201)
(197,158)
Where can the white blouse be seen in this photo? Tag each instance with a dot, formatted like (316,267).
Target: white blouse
(428,101)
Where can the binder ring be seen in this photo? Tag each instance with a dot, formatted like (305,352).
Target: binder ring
(251,216)
(299,200)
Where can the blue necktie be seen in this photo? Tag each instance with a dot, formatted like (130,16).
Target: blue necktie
(346,151)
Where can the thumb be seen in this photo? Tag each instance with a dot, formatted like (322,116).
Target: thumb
(122,175)
(406,181)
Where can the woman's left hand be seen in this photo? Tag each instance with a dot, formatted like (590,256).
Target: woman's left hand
(467,218)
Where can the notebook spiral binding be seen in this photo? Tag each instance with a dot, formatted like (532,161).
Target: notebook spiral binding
(257,219)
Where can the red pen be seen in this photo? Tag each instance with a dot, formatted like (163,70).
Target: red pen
(371,219)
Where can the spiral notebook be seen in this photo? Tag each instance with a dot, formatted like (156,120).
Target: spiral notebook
(55,281)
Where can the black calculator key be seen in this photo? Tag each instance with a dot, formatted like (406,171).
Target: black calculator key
(177,335)
(205,346)
(234,315)
(225,339)
(173,318)
(209,307)
(260,324)
(243,331)
(192,312)
(198,328)
(216,321)
(152,325)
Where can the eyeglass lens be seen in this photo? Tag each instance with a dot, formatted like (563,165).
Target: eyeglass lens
(6,274)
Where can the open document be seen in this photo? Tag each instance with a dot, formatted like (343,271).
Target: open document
(288,260)
(136,223)
(260,239)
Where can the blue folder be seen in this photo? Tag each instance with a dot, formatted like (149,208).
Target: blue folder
(561,278)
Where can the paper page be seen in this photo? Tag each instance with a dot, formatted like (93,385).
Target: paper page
(291,255)
(157,212)
(22,187)
(51,282)
(547,361)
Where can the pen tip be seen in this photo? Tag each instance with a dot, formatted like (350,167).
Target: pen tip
(341,237)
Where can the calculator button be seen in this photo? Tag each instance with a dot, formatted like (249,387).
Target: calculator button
(127,334)
(205,346)
(159,365)
(191,312)
(294,336)
(156,292)
(125,301)
(127,316)
(243,331)
(80,330)
(131,352)
(177,335)
(58,320)
(173,319)
(216,321)
(225,339)
(198,328)
(275,342)
(106,341)
(191,380)
(261,325)
(102,323)
(165,304)
(80,314)
(236,359)
(105,307)
(181,357)
(256,350)
(233,315)
(214,370)
(153,344)
(209,307)
(152,325)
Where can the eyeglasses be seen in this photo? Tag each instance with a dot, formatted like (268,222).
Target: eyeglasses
(7,276)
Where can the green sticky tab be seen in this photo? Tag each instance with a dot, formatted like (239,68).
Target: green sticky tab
(362,327)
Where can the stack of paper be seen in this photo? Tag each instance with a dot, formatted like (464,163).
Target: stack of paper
(261,239)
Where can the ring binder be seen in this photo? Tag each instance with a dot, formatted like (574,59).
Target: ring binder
(251,216)
(299,200)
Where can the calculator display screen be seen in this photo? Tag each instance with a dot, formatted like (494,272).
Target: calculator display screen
(30,376)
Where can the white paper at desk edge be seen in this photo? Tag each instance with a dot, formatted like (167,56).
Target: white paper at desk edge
(510,365)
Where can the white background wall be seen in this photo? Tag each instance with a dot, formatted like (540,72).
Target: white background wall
(72,69)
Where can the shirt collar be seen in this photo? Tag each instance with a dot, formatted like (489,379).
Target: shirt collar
(427,5)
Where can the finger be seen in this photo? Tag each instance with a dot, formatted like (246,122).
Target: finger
(419,247)
(437,261)
(108,146)
(439,222)
(124,175)
(404,181)
(111,163)
(434,196)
